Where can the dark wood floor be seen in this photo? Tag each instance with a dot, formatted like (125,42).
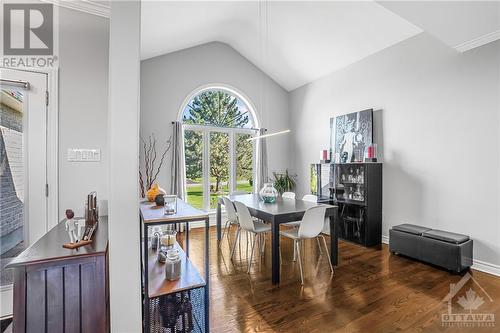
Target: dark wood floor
(371,291)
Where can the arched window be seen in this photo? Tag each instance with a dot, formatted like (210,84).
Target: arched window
(218,122)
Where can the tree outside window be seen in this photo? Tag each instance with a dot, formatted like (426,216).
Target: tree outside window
(222,117)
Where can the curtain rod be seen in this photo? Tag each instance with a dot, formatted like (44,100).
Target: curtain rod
(18,83)
(251,128)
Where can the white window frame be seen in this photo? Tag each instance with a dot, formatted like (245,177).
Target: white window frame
(232,132)
(206,129)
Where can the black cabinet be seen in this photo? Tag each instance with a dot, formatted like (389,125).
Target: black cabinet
(357,189)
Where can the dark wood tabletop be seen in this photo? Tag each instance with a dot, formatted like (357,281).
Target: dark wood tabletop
(49,247)
(283,210)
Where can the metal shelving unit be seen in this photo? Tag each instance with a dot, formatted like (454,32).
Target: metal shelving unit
(173,306)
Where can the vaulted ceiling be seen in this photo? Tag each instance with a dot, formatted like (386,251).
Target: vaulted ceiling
(293,42)
(297,42)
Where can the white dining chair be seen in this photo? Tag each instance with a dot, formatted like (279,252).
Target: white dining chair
(310,198)
(295,224)
(232,217)
(288,195)
(311,226)
(246,223)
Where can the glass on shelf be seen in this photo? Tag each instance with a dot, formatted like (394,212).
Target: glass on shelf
(170,204)
(155,237)
(172,265)
(168,240)
(358,195)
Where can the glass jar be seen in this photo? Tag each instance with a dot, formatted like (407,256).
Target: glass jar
(173,265)
(168,240)
(155,237)
(268,193)
(170,204)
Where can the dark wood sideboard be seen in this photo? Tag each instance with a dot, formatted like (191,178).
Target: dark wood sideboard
(62,290)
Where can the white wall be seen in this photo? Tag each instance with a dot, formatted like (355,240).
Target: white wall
(438,127)
(83,105)
(168,79)
(123,131)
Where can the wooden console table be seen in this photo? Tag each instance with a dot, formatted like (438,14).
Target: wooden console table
(62,290)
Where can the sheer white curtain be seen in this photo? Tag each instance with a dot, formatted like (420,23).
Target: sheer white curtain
(178,180)
(178,173)
(262,171)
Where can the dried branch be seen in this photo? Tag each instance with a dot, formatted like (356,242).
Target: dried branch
(151,170)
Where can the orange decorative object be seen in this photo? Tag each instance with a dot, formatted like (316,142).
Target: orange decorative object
(154,191)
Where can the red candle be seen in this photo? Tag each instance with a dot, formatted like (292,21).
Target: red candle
(325,155)
(371,152)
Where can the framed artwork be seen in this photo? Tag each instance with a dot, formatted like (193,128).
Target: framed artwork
(350,135)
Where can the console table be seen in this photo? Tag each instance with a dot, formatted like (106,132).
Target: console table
(191,290)
(62,290)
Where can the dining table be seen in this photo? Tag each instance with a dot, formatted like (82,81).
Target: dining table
(281,211)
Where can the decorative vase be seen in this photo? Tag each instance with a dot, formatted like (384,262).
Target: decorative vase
(154,191)
(268,193)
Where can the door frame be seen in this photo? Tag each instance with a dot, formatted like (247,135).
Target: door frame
(52,140)
(52,157)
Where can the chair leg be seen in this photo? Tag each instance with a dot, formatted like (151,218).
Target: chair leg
(246,236)
(297,245)
(319,246)
(263,244)
(281,257)
(294,250)
(251,255)
(235,241)
(259,240)
(224,232)
(327,253)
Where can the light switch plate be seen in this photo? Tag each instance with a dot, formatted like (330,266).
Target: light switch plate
(84,155)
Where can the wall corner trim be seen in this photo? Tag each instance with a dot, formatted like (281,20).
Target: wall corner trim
(479,41)
(86,6)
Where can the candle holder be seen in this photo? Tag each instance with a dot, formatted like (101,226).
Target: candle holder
(170,204)
(371,153)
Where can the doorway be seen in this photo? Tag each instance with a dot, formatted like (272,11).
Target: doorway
(23,168)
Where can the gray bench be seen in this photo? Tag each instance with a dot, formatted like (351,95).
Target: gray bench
(441,248)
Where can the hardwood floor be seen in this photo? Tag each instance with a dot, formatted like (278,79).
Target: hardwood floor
(370,291)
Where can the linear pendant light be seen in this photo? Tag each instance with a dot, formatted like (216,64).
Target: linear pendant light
(268,135)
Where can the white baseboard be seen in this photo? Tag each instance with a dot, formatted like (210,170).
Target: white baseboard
(385,239)
(201,224)
(486,267)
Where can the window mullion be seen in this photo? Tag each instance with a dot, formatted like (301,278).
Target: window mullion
(206,170)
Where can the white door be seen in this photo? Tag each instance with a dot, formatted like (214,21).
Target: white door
(23,168)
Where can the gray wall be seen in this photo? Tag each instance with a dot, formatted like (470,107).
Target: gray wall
(437,124)
(168,79)
(83,105)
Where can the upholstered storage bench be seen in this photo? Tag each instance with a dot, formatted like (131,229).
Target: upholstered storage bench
(441,248)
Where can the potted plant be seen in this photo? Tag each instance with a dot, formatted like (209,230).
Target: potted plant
(283,181)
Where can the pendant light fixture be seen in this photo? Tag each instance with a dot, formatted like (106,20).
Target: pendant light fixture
(264,44)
